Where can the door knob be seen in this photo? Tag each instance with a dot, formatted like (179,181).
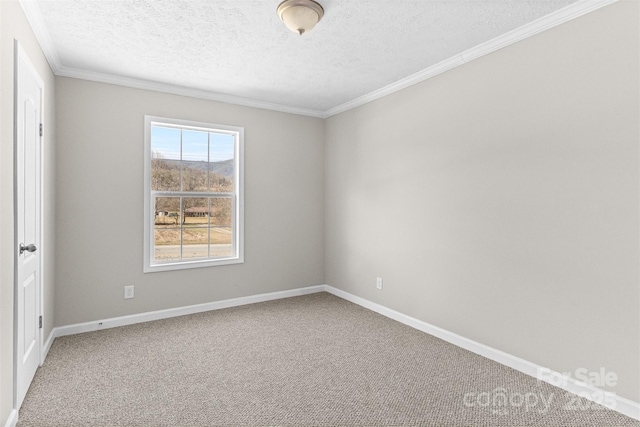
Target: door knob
(28,248)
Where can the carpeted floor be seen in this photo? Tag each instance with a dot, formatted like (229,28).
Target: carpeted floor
(314,360)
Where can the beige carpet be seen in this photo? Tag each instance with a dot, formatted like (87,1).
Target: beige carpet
(315,360)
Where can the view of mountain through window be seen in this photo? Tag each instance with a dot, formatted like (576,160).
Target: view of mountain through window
(192,189)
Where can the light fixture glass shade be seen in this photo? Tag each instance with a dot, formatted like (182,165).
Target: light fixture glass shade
(300,16)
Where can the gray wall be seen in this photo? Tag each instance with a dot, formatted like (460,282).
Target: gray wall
(100,205)
(499,200)
(13,25)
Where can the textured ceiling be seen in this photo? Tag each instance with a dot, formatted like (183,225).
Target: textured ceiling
(240,48)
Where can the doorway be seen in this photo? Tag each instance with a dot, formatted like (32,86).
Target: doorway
(28,102)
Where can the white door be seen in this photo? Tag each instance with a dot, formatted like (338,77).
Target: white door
(28,110)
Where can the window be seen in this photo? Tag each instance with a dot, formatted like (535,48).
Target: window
(193,194)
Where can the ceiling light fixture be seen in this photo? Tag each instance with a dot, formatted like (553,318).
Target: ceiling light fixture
(300,16)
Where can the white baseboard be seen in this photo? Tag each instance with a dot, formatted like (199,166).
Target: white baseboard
(113,322)
(619,404)
(48,343)
(12,420)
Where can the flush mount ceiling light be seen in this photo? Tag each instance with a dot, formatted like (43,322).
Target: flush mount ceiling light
(300,16)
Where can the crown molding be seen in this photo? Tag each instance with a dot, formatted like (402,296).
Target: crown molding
(554,19)
(34,17)
(547,22)
(404,83)
(182,91)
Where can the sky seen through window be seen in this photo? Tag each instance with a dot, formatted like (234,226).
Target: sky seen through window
(166,142)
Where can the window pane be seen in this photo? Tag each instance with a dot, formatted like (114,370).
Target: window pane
(222,162)
(193,189)
(194,242)
(195,211)
(195,157)
(167,229)
(195,227)
(165,159)
(166,244)
(167,212)
(221,237)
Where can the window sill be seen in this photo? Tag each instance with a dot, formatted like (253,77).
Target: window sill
(184,265)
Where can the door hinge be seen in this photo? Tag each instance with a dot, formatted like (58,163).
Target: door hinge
(40,322)
(41,129)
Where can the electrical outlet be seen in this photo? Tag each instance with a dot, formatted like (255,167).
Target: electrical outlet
(379,283)
(128,292)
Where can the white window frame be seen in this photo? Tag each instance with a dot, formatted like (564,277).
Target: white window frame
(237,196)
